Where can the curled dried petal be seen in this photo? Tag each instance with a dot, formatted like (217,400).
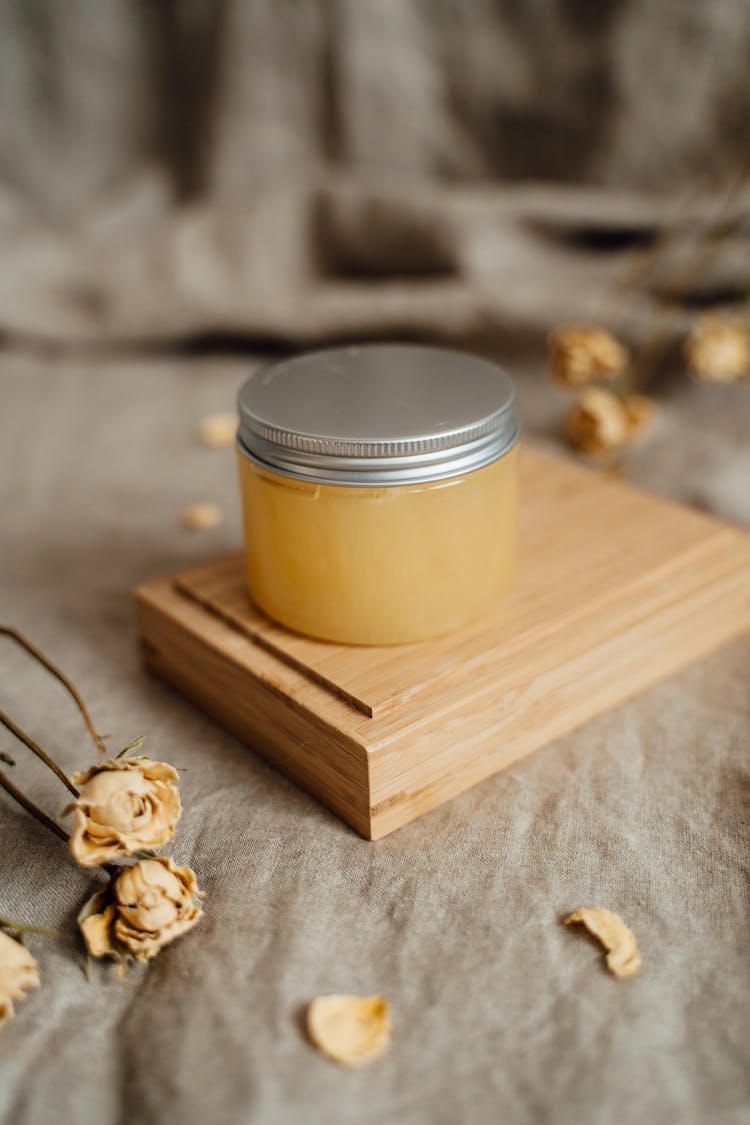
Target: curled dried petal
(623,958)
(351,1030)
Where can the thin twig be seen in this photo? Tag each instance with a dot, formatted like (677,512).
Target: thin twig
(30,807)
(6,630)
(21,928)
(36,749)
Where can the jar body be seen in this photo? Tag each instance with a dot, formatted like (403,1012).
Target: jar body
(379,565)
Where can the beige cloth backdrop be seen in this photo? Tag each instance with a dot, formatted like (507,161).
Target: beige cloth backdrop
(500,1013)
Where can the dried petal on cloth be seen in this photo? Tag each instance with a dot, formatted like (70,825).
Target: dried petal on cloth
(218,431)
(351,1030)
(581,354)
(201,517)
(125,805)
(18,973)
(623,958)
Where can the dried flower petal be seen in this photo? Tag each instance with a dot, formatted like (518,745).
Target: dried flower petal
(201,517)
(718,348)
(351,1030)
(126,805)
(18,973)
(581,354)
(218,431)
(623,958)
(598,423)
(97,931)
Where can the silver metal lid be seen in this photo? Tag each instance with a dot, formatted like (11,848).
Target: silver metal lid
(377,414)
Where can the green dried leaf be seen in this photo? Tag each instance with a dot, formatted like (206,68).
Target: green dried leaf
(142,854)
(132,746)
(68,809)
(6,758)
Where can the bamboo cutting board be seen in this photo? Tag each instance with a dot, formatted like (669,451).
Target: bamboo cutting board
(616,590)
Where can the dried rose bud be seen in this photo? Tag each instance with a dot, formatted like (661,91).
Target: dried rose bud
(125,805)
(149,905)
(718,348)
(18,973)
(598,423)
(582,354)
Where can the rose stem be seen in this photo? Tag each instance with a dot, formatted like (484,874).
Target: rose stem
(36,749)
(6,630)
(30,807)
(21,928)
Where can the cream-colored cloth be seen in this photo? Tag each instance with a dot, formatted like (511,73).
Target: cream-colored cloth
(500,1013)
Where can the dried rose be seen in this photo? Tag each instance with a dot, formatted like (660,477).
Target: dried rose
(598,423)
(125,805)
(18,973)
(149,905)
(718,348)
(581,354)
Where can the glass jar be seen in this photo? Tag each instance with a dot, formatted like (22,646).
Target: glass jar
(379,491)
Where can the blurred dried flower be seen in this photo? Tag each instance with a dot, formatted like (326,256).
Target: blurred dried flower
(125,805)
(217,431)
(598,423)
(351,1030)
(201,517)
(718,348)
(18,973)
(149,905)
(581,354)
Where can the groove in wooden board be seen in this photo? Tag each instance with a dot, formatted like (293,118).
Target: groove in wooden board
(239,613)
(581,536)
(300,690)
(551,708)
(667,638)
(167,620)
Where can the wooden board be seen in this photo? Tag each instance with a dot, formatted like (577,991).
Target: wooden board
(616,590)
